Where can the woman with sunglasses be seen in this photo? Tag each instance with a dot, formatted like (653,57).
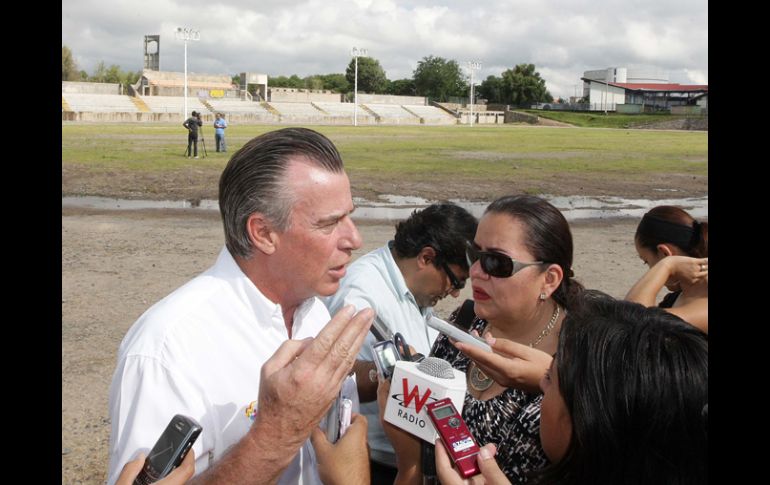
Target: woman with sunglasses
(521,260)
(674,245)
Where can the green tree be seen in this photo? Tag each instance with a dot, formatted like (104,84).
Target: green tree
(491,89)
(402,87)
(438,79)
(523,86)
(286,82)
(336,82)
(69,68)
(313,82)
(371,76)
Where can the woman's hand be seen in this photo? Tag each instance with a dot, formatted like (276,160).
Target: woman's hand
(490,470)
(688,270)
(511,364)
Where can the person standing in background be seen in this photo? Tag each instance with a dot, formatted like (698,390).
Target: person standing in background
(219,132)
(192,124)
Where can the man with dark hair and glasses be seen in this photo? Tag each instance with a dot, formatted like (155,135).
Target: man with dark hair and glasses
(402,281)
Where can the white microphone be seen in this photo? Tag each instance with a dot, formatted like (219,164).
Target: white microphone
(416,384)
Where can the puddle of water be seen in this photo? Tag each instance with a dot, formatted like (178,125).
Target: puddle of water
(394,207)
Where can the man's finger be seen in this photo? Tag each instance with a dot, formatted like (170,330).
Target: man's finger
(345,351)
(331,333)
(285,355)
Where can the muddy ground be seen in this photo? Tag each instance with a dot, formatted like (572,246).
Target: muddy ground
(116,264)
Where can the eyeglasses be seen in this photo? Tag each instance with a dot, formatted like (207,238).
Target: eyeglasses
(456,283)
(496,264)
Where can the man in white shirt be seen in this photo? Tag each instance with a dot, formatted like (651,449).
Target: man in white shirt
(402,281)
(244,348)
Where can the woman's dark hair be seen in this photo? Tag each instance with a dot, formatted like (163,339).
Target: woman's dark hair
(635,383)
(667,224)
(445,227)
(548,237)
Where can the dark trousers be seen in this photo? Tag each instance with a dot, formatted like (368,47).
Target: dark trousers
(382,474)
(192,140)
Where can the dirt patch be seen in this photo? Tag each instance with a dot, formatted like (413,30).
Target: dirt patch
(115,265)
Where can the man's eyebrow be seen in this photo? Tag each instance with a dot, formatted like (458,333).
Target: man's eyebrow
(335,217)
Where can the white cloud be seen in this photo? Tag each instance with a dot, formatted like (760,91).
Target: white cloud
(562,38)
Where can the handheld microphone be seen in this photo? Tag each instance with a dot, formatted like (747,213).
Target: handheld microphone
(413,386)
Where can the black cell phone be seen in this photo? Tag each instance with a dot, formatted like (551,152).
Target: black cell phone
(170,449)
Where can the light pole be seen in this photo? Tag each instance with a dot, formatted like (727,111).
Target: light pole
(185,34)
(473,66)
(355,52)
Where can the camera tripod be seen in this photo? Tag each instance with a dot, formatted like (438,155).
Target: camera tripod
(204,154)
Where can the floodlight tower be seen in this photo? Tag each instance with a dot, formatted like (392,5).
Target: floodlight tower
(185,34)
(356,52)
(472,67)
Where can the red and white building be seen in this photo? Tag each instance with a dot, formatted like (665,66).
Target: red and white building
(637,91)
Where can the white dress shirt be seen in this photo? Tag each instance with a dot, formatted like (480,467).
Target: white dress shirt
(198,352)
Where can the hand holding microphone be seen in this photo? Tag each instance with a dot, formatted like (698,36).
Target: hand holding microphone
(511,364)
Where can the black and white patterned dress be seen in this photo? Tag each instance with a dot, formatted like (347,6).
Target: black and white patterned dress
(511,419)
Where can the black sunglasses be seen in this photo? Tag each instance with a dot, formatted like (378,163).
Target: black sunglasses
(496,264)
(456,283)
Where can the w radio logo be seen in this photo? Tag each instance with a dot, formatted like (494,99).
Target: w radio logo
(414,395)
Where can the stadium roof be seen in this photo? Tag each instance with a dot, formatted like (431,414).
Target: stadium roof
(657,87)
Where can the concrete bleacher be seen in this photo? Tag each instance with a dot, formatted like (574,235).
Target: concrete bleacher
(431,115)
(233,106)
(393,114)
(173,104)
(296,109)
(99,103)
(343,112)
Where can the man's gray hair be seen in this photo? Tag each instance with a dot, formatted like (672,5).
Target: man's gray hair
(254,181)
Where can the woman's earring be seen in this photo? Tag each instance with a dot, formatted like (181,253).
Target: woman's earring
(542,295)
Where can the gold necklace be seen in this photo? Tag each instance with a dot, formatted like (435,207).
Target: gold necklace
(547,328)
(481,382)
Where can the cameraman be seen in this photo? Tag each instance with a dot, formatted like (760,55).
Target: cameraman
(192,123)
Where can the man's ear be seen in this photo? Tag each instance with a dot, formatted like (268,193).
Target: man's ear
(426,257)
(261,233)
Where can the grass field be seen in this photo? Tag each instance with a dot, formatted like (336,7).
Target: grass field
(379,159)
(597,119)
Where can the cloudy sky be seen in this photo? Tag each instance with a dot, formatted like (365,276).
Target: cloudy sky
(563,38)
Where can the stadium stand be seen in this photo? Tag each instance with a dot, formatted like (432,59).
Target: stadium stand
(393,114)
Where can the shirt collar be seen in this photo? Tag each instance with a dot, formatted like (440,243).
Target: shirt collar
(399,283)
(267,312)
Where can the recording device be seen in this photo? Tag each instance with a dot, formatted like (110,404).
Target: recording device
(338,417)
(455,436)
(456,333)
(170,449)
(385,357)
(416,384)
(380,330)
(388,351)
